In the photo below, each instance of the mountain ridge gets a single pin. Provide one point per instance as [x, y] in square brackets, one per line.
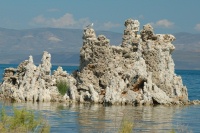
[64, 46]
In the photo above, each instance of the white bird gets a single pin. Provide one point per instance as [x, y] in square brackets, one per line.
[90, 25]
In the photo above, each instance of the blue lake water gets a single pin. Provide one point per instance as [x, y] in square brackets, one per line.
[86, 118]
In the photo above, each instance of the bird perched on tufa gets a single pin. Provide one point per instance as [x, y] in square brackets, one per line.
[90, 25]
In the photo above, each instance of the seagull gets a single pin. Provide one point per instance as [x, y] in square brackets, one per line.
[90, 25]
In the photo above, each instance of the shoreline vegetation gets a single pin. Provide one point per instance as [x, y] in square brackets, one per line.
[22, 121]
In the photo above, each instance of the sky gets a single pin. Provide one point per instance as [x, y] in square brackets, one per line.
[166, 16]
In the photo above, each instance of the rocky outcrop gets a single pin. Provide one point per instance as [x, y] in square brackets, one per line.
[139, 71]
[29, 82]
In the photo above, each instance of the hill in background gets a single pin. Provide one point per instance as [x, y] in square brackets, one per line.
[187, 52]
[64, 46]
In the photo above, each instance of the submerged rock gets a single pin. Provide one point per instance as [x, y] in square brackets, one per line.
[139, 71]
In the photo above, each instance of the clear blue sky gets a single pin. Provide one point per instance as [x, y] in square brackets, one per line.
[166, 16]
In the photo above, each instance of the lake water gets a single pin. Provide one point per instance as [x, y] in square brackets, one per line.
[87, 118]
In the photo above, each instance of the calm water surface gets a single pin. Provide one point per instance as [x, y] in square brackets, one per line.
[86, 118]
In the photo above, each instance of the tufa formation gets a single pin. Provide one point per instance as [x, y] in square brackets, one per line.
[139, 72]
